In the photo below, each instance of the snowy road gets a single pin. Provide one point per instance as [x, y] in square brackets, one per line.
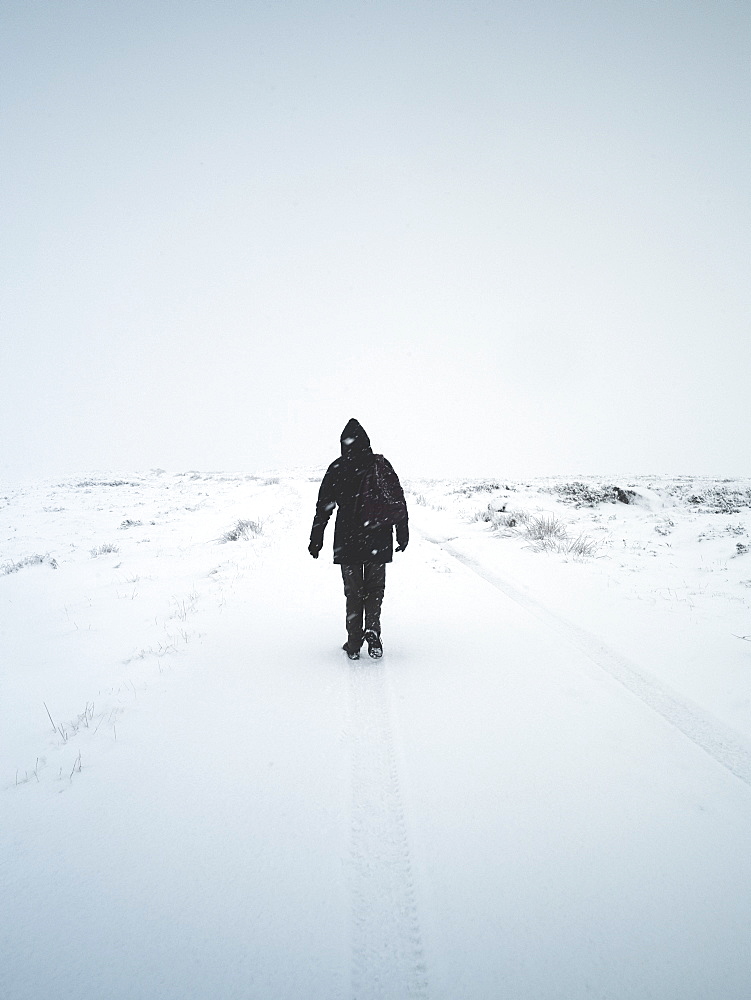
[484, 813]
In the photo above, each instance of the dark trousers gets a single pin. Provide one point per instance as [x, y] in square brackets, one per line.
[363, 588]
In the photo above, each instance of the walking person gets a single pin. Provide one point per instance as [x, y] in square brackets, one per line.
[370, 502]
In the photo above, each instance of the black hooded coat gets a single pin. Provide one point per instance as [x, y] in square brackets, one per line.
[355, 541]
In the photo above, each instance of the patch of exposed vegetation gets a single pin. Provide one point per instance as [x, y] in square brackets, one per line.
[243, 529]
[720, 500]
[469, 489]
[582, 494]
[102, 550]
[35, 560]
[89, 483]
[545, 531]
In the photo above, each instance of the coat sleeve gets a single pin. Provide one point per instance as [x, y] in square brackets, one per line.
[324, 508]
[395, 488]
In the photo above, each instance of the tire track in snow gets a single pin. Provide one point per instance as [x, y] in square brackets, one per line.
[387, 954]
[703, 729]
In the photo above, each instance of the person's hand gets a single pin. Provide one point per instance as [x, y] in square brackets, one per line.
[314, 549]
[402, 537]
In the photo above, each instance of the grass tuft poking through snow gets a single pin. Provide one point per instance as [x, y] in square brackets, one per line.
[243, 529]
[103, 550]
[545, 528]
[580, 547]
[546, 532]
[35, 560]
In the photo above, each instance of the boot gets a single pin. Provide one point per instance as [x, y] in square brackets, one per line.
[375, 646]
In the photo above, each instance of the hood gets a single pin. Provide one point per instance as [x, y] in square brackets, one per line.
[354, 439]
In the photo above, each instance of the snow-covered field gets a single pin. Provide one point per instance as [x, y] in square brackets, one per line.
[542, 791]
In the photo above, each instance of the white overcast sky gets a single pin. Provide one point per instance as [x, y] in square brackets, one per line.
[509, 237]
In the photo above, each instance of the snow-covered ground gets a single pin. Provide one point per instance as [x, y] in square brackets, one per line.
[542, 791]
